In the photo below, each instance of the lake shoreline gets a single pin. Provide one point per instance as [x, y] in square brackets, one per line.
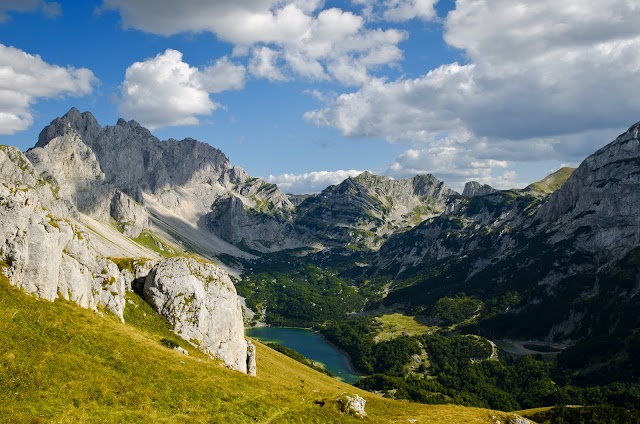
[352, 369]
[338, 361]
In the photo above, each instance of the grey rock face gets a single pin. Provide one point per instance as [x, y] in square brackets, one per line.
[235, 222]
[600, 199]
[200, 301]
[72, 166]
[130, 214]
[474, 188]
[133, 160]
[47, 254]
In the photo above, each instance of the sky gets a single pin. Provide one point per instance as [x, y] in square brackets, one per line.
[305, 93]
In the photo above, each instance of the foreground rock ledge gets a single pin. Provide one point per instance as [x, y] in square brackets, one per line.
[200, 301]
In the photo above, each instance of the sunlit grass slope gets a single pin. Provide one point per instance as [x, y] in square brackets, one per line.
[62, 363]
[396, 325]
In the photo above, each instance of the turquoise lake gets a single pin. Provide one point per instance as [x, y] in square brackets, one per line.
[311, 345]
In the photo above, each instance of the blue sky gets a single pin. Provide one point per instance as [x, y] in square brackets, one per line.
[307, 92]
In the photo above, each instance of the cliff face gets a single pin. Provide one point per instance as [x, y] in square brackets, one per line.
[47, 251]
[474, 188]
[600, 200]
[134, 160]
[44, 251]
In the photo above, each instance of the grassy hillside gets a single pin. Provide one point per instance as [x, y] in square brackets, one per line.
[62, 363]
[551, 182]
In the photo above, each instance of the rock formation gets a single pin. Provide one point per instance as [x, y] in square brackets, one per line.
[251, 358]
[474, 188]
[600, 199]
[178, 182]
[352, 405]
[47, 251]
[201, 303]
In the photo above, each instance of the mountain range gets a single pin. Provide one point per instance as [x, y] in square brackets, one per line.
[92, 212]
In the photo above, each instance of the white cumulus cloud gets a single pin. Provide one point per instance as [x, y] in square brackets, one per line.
[310, 182]
[542, 80]
[25, 78]
[264, 64]
[398, 10]
[404, 10]
[285, 38]
[165, 91]
[455, 165]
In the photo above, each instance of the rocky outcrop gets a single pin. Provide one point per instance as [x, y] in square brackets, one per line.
[251, 359]
[132, 216]
[474, 188]
[72, 166]
[47, 254]
[69, 164]
[50, 254]
[201, 303]
[262, 229]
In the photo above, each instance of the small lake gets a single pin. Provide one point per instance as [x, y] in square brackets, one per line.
[311, 345]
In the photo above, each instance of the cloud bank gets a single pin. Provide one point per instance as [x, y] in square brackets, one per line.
[542, 80]
[284, 39]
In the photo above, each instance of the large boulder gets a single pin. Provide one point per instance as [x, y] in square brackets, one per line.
[200, 301]
[352, 405]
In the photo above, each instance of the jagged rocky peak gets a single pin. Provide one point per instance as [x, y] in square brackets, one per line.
[184, 178]
[72, 122]
[474, 188]
[365, 209]
[135, 161]
[420, 185]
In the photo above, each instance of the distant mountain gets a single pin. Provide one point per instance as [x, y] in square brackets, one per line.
[125, 173]
[363, 210]
[554, 261]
